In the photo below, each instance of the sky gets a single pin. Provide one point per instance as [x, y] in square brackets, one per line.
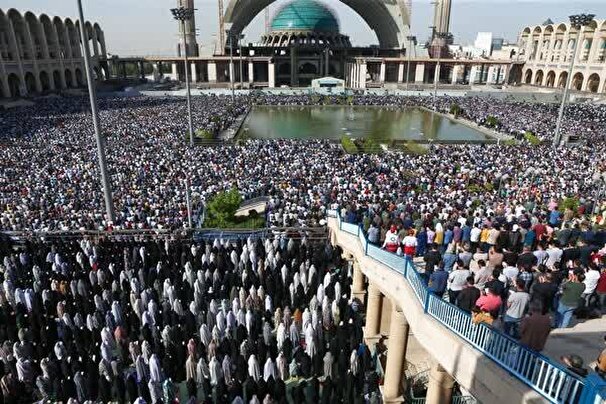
[146, 27]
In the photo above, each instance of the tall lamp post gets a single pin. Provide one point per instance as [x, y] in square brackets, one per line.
[183, 14]
[412, 41]
[577, 21]
[231, 62]
[92, 93]
[240, 37]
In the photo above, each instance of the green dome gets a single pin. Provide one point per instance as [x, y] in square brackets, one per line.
[305, 15]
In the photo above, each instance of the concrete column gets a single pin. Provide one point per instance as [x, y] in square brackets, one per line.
[271, 75]
[363, 71]
[401, 73]
[492, 75]
[232, 76]
[251, 72]
[473, 76]
[439, 390]
[436, 73]
[396, 355]
[382, 73]
[457, 72]
[175, 72]
[194, 72]
[212, 72]
[157, 75]
[357, 287]
[373, 312]
[385, 323]
[420, 73]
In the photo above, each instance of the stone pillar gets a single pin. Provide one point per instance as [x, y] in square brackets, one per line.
[194, 72]
[363, 71]
[436, 73]
[396, 355]
[401, 73]
[457, 72]
[251, 72]
[420, 73]
[439, 389]
[271, 75]
[382, 73]
[156, 73]
[212, 72]
[493, 77]
[232, 76]
[373, 312]
[473, 75]
[175, 72]
[357, 287]
[385, 323]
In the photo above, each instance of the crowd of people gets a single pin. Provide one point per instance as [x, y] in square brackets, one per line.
[509, 232]
[169, 320]
[49, 176]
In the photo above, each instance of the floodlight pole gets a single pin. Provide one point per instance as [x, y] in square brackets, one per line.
[183, 14]
[92, 93]
[577, 21]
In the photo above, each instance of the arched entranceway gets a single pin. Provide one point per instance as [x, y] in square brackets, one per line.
[528, 77]
[79, 78]
[308, 68]
[69, 83]
[57, 79]
[14, 83]
[538, 80]
[45, 81]
[30, 82]
[577, 82]
[562, 80]
[550, 79]
[593, 83]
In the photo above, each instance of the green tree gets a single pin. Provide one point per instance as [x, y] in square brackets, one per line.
[223, 206]
[455, 109]
[492, 121]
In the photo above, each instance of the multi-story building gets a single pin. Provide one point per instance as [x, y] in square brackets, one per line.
[40, 54]
[547, 51]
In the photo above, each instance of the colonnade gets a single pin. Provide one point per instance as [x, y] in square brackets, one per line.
[380, 309]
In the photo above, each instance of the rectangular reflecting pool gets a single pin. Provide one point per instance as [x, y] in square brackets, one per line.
[335, 121]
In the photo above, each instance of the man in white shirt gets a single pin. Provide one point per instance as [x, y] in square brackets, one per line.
[555, 255]
[592, 276]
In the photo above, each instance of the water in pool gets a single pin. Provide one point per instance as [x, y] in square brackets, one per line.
[332, 122]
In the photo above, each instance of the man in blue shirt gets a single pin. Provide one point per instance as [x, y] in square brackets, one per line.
[437, 281]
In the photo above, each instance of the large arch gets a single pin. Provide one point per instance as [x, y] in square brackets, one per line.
[14, 85]
[69, 83]
[35, 29]
[63, 44]
[562, 79]
[21, 36]
[577, 81]
[593, 83]
[74, 39]
[7, 46]
[51, 39]
[30, 82]
[389, 19]
[538, 78]
[57, 79]
[45, 81]
[528, 77]
[550, 79]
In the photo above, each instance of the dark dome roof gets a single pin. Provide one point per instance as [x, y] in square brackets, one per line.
[305, 15]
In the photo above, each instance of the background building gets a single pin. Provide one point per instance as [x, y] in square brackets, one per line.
[40, 54]
[548, 49]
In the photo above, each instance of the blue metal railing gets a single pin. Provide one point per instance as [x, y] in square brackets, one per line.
[550, 379]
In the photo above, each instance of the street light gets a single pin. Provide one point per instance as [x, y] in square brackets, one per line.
[182, 15]
[240, 37]
[412, 41]
[577, 22]
[92, 93]
[231, 62]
